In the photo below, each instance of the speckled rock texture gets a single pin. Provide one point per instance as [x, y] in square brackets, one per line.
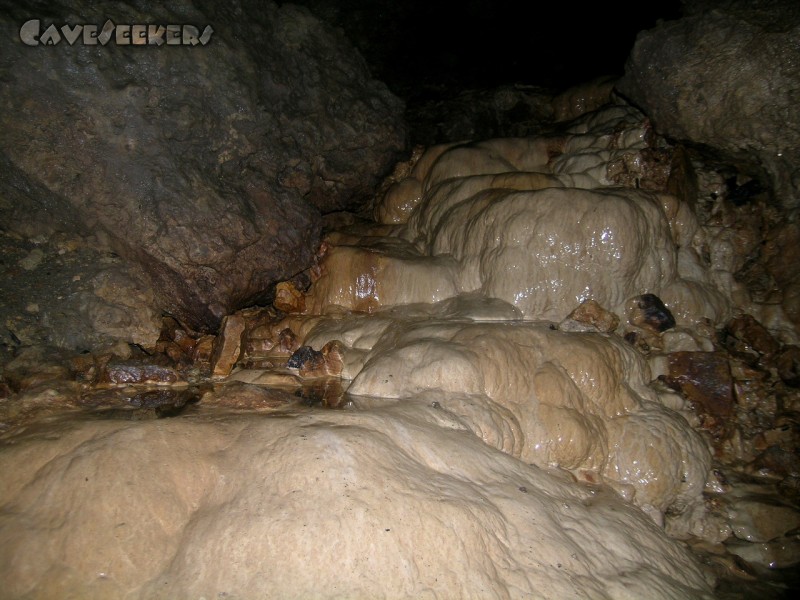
[206, 166]
[725, 77]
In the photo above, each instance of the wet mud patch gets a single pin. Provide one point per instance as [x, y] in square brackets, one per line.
[324, 393]
[141, 404]
[136, 403]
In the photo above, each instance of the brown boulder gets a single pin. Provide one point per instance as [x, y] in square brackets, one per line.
[206, 166]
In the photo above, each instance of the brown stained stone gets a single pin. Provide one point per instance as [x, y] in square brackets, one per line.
[227, 346]
[172, 331]
[788, 362]
[288, 298]
[644, 341]
[245, 396]
[649, 313]
[648, 169]
[590, 316]
[704, 378]
[256, 362]
[259, 334]
[174, 352]
[204, 348]
[312, 363]
[329, 361]
[258, 346]
[134, 372]
[746, 338]
[175, 342]
[287, 341]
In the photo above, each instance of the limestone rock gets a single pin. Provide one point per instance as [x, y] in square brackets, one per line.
[704, 378]
[208, 166]
[80, 296]
[288, 298]
[648, 312]
[227, 345]
[746, 338]
[788, 362]
[133, 372]
[725, 76]
[590, 316]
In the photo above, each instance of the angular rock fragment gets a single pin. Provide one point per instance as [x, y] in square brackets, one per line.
[649, 312]
[329, 361]
[288, 298]
[303, 355]
[746, 338]
[590, 316]
[287, 341]
[203, 349]
[311, 363]
[227, 346]
[704, 378]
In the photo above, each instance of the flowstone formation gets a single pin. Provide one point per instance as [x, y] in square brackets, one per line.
[538, 226]
[528, 377]
[560, 296]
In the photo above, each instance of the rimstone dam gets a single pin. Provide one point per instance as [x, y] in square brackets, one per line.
[273, 328]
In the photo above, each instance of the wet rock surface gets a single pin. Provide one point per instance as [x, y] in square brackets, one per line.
[227, 347]
[206, 168]
[414, 358]
[394, 479]
[705, 379]
[648, 312]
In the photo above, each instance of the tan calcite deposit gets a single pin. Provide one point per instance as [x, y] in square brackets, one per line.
[533, 221]
[579, 401]
[536, 226]
[399, 501]
[470, 463]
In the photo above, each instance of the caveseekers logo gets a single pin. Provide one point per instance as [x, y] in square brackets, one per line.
[31, 33]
